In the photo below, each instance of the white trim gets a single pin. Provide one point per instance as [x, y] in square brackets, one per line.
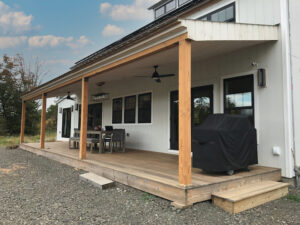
[287, 89]
[256, 99]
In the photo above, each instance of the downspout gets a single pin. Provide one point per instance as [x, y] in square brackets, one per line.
[288, 90]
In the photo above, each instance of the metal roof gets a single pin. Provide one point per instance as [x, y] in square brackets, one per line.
[156, 24]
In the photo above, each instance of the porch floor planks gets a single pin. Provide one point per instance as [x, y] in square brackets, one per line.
[159, 166]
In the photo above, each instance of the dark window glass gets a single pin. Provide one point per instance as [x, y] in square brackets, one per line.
[117, 110]
[129, 109]
[239, 96]
[181, 2]
[225, 14]
[160, 11]
[170, 6]
[94, 116]
[144, 108]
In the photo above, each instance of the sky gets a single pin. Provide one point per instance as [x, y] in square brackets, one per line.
[61, 32]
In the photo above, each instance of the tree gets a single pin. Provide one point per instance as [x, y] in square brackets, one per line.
[18, 78]
[51, 117]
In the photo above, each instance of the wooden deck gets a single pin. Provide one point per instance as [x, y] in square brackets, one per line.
[156, 173]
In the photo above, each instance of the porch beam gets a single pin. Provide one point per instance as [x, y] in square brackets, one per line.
[43, 121]
[23, 119]
[144, 53]
[184, 81]
[84, 112]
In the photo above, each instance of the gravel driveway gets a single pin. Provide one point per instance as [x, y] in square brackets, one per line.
[35, 190]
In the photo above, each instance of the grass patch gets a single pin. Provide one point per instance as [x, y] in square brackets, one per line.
[147, 196]
[7, 141]
[293, 198]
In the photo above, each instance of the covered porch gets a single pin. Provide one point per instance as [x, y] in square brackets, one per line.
[153, 172]
[184, 49]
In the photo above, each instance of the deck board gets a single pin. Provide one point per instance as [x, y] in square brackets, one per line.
[153, 172]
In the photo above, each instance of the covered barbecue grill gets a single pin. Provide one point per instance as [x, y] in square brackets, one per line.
[224, 143]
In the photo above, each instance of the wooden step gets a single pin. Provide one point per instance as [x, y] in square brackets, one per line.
[249, 196]
[97, 181]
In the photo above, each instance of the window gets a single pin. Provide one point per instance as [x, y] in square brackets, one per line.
[144, 108]
[129, 109]
[170, 6]
[181, 2]
[239, 96]
[160, 11]
[117, 110]
[94, 116]
[225, 14]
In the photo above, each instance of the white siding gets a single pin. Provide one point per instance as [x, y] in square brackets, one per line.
[269, 101]
[295, 57]
[249, 11]
[74, 118]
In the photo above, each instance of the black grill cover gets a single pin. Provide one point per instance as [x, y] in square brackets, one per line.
[224, 142]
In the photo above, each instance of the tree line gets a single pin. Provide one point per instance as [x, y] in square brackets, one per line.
[17, 78]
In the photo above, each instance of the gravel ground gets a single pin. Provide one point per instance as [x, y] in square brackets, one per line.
[35, 190]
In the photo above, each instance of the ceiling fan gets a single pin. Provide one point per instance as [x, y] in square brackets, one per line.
[69, 97]
[156, 76]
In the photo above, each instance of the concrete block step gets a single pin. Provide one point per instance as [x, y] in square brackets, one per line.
[97, 181]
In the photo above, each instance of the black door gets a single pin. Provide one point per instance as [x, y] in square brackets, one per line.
[202, 106]
[66, 123]
[94, 116]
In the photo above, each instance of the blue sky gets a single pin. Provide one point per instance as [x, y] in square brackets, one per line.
[61, 32]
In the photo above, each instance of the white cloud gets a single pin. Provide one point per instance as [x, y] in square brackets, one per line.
[12, 21]
[81, 42]
[10, 42]
[136, 11]
[55, 41]
[105, 7]
[112, 30]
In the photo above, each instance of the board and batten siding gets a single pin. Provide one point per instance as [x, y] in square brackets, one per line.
[265, 12]
[294, 7]
[74, 118]
[155, 136]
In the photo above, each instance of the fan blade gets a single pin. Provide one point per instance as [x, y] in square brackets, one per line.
[143, 76]
[166, 75]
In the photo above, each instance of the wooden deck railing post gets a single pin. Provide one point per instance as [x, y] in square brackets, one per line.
[23, 119]
[43, 121]
[84, 112]
[184, 81]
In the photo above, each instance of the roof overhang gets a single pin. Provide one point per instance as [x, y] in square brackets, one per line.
[215, 31]
[208, 33]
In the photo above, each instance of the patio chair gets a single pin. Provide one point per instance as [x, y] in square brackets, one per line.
[75, 139]
[115, 139]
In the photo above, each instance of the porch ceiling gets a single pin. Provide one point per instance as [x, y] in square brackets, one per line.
[209, 39]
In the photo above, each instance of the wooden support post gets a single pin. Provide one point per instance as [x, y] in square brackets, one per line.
[84, 112]
[43, 121]
[23, 119]
[184, 80]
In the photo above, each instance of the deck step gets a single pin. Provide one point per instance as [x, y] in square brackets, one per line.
[97, 181]
[249, 196]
